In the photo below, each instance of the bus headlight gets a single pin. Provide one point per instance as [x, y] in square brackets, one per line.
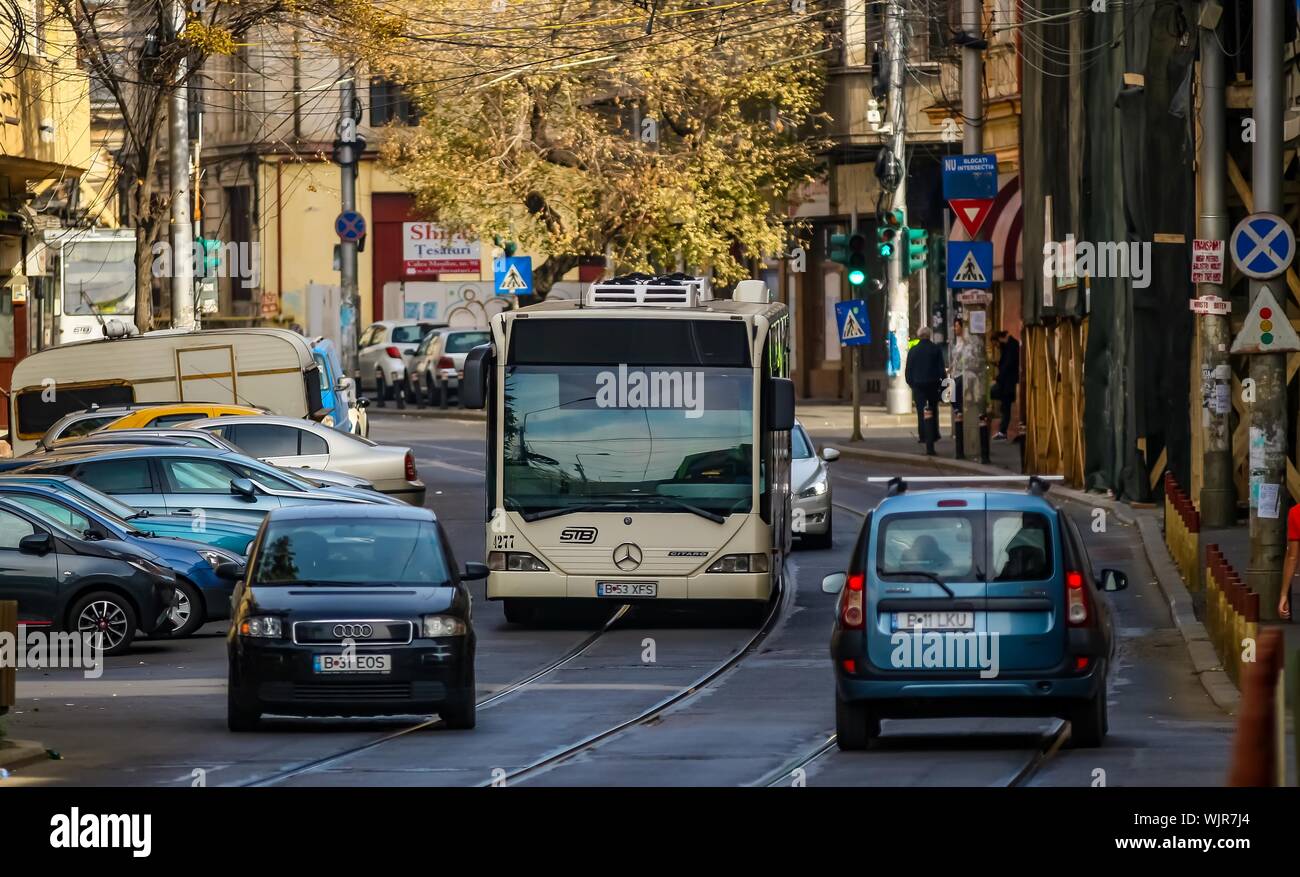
[443, 625]
[815, 489]
[515, 561]
[740, 563]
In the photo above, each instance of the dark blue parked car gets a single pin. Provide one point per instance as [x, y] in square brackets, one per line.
[201, 595]
[970, 603]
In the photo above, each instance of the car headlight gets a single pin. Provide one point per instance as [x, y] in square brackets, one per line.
[149, 567]
[515, 561]
[443, 625]
[740, 563]
[214, 558]
[264, 626]
[816, 489]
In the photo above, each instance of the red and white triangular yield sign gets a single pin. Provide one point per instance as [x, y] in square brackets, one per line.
[971, 212]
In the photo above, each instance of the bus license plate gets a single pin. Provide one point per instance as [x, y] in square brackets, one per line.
[353, 663]
[934, 620]
[627, 589]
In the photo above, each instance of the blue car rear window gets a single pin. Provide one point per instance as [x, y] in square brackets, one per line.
[1020, 546]
[939, 543]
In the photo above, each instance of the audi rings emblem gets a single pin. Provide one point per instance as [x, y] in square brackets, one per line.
[627, 556]
[353, 631]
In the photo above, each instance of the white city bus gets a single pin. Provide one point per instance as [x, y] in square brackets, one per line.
[93, 271]
[638, 446]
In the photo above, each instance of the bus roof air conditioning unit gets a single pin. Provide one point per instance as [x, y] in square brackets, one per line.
[643, 290]
[752, 291]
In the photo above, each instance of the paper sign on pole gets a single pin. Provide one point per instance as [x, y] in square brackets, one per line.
[1207, 261]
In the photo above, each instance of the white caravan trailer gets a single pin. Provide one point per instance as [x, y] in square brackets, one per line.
[267, 368]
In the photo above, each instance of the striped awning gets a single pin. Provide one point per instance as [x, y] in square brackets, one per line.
[1003, 227]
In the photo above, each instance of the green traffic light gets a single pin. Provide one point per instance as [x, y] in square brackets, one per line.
[857, 277]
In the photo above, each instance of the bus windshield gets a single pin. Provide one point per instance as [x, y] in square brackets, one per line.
[628, 438]
[99, 277]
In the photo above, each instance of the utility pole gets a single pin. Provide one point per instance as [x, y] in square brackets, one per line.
[974, 392]
[898, 398]
[1218, 497]
[349, 153]
[855, 370]
[178, 170]
[1267, 370]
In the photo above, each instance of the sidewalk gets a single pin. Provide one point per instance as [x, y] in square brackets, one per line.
[892, 439]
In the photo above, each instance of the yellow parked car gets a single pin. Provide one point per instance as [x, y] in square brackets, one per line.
[161, 416]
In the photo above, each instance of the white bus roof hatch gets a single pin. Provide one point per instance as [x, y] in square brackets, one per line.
[641, 290]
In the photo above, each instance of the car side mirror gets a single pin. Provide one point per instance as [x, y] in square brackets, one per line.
[36, 543]
[243, 487]
[230, 570]
[474, 571]
[344, 385]
[830, 455]
[474, 386]
[1113, 580]
[780, 404]
[834, 583]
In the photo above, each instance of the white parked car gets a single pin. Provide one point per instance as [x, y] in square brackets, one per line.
[294, 444]
[382, 351]
[810, 480]
[438, 364]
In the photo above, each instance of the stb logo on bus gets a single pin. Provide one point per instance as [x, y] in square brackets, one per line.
[651, 388]
[579, 535]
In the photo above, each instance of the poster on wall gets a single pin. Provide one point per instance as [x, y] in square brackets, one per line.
[429, 249]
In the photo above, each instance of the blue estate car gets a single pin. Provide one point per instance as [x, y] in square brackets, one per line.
[970, 602]
[234, 534]
[201, 595]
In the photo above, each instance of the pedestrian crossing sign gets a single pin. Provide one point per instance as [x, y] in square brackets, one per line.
[1266, 329]
[513, 275]
[970, 264]
[853, 321]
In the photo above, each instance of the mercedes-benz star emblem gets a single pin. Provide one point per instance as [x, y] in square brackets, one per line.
[627, 557]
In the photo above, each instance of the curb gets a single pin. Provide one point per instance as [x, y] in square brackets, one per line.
[19, 753]
[436, 413]
[1200, 649]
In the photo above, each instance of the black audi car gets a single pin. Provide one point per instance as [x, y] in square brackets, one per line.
[69, 581]
[352, 610]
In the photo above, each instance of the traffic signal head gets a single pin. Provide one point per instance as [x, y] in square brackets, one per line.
[918, 250]
[839, 250]
[211, 256]
[857, 259]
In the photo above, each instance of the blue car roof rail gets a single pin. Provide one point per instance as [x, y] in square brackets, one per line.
[1037, 485]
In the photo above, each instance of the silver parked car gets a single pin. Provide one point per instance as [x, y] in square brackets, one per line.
[810, 480]
[291, 443]
[382, 351]
[438, 364]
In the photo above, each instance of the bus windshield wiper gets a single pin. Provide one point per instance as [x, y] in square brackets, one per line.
[918, 572]
[621, 502]
[673, 501]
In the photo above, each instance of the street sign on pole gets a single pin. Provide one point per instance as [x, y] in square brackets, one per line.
[1266, 330]
[513, 275]
[975, 298]
[970, 176]
[350, 226]
[1262, 245]
[1210, 305]
[970, 264]
[971, 212]
[1207, 261]
[853, 322]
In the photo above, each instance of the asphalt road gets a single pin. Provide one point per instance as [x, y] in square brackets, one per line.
[157, 716]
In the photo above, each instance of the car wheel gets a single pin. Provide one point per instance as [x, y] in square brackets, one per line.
[519, 612]
[856, 727]
[238, 717]
[187, 611]
[460, 714]
[109, 615]
[1088, 722]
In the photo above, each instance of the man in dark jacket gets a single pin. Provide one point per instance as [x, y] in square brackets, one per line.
[924, 374]
[1004, 388]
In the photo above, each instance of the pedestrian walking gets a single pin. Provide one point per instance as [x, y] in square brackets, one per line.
[924, 373]
[1008, 379]
[960, 361]
[1290, 563]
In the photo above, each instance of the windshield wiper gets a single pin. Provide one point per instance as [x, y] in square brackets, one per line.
[622, 502]
[565, 510]
[917, 572]
[143, 513]
[673, 501]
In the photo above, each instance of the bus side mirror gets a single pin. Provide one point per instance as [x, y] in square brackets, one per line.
[780, 404]
[473, 387]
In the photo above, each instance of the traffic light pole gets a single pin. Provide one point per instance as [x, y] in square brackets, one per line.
[855, 365]
[898, 398]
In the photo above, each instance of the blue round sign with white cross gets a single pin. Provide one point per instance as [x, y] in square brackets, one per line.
[1262, 245]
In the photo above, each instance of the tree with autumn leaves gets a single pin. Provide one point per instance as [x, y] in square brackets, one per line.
[662, 135]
